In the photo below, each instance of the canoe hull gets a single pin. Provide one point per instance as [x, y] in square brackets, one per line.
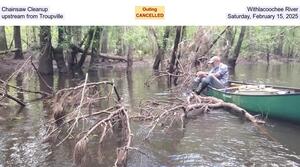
[285, 107]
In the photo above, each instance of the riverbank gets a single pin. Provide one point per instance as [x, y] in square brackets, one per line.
[262, 58]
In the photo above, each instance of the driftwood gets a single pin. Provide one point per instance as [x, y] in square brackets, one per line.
[8, 51]
[112, 57]
[75, 50]
[214, 103]
[108, 56]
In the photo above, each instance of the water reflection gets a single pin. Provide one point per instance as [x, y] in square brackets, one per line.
[278, 74]
[215, 139]
[61, 83]
[46, 83]
[19, 83]
[130, 87]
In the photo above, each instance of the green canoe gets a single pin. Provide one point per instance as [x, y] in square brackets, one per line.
[270, 101]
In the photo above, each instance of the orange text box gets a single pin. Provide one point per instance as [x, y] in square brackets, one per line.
[149, 12]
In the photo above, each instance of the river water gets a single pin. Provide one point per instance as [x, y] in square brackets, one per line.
[214, 139]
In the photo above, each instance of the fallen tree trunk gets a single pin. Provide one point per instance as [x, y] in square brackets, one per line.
[112, 57]
[214, 103]
[8, 51]
[165, 112]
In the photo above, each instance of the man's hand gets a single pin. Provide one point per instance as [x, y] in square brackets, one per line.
[201, 74]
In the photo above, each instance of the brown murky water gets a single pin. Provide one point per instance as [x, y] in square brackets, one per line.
[215, 139]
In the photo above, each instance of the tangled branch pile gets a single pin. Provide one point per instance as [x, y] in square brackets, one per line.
[176, 111]
[76, 110]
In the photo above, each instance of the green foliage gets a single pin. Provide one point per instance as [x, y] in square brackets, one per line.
[27, 36]
[138, 37]
[258, 39]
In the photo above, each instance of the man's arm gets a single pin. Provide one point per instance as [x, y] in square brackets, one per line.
[220, 72]
[201, 73]
[217, 74]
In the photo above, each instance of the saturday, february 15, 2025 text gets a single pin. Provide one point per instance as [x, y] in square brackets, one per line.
[266, 13]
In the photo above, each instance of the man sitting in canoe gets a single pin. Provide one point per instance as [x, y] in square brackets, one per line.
[217, 77]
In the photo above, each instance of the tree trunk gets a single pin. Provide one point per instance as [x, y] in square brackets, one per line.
[77, 34]
[179, 54]
[227, 42]
[119, 44]
[69, 36]
[58, 53]
[129, 57]
[86, 47]
[3, 42]
[96, 46]
[60, 40]
[157, 59]
[291, 44]
[18, 43]
[34, 35]
[161, 50]
[58, 56]
[279, 49]
[104, 44]
[237, 49]
[45, 60]
[175, 48]
[268, 54]
[200, 45]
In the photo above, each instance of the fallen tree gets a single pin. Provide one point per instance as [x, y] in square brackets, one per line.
[171, 111]
[8, 51]
[96, 109]
[112, 57]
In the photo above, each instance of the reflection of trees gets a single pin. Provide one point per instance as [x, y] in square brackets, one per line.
[46, 83]
[19, 83]
[130, 87]
[93, 76]
[166, 144]
[61, 82]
